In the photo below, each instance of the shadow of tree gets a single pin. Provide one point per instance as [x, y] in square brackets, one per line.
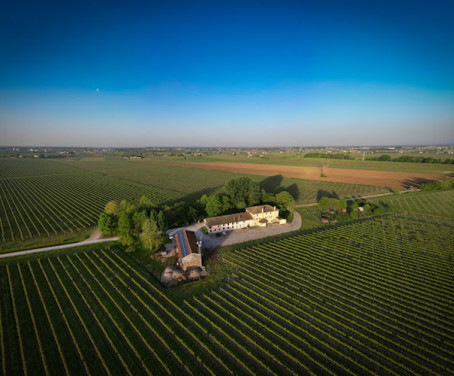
[321, 193]
[294, 191]
[416, 182]
[272, 184]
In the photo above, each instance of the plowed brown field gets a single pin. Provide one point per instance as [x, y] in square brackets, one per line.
[368, 177]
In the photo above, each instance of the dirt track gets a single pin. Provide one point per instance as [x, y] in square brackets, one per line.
[368, 177]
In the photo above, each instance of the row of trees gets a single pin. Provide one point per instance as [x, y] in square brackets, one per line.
[329, 155]
[240, 193]
[410, 159]
[438, 185]
[135, 225]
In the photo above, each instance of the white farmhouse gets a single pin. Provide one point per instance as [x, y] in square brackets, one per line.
[229, 222]
[253, 216]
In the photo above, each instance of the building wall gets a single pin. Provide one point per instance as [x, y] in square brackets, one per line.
[269, 216]
[231, 226]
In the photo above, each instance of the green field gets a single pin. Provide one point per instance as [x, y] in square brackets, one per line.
[195, 182]
[40, 199]
[433, 203]
[372, 297]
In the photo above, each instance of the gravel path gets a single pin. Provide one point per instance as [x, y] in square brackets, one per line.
[56, 247]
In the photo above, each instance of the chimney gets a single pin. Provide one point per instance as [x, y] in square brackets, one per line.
[263, 209]
[275, 208]
[199, 243]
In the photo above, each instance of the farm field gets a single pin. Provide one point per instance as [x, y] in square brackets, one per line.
[298, 160]
[433, 203]
[44, 198]
[195, 182]
[372, 297]
[350, 176]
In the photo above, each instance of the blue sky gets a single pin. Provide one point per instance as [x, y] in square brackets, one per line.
[234, 73]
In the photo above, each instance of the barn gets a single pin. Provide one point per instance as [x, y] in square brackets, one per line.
[189, 250]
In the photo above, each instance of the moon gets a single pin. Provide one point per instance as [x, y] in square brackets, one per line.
[97, 89]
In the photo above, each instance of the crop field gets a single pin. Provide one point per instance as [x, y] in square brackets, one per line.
[298, 160]
[195, 182]
[373, 297]
[336, 175]
[41, 199]
[433, 203]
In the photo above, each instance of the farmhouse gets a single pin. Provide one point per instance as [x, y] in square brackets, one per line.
[189, 250]
[264, 214]
[253, 216]
[229, 222]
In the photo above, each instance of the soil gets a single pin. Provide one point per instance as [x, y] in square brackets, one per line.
[338, 175]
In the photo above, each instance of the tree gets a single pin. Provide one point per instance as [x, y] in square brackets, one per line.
[354, 206]
[213, 206]
[354, 215]
[332, 204]
[131, 208]
[191, 214]
[323, 203]
[112, 208]
[150, 235]
[269, 198]
[125, 229]
[204, 200]
[254, 193]
[226, 205]
[106, 224]
[284, 200]
[384, 157]
[162, 222]
[123, 205]
[138, 219]
[342, 203]
[241, 190]
[182, 215]
[145, 203]
[154, 215]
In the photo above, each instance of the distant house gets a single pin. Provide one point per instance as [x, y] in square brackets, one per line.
[189, 250]
[253, 216]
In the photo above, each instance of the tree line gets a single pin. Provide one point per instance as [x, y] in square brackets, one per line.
[241, 193]
[329, 155]
[410, 159]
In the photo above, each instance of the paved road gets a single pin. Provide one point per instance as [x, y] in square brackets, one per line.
[56, 247]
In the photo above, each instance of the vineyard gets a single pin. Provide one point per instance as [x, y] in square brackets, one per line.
[372, 297]
[195, 182]
[433, 203]
[41, 199]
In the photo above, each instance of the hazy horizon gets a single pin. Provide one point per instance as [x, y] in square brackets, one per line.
[224, 74]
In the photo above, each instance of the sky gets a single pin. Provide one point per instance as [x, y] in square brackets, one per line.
[226, 73]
